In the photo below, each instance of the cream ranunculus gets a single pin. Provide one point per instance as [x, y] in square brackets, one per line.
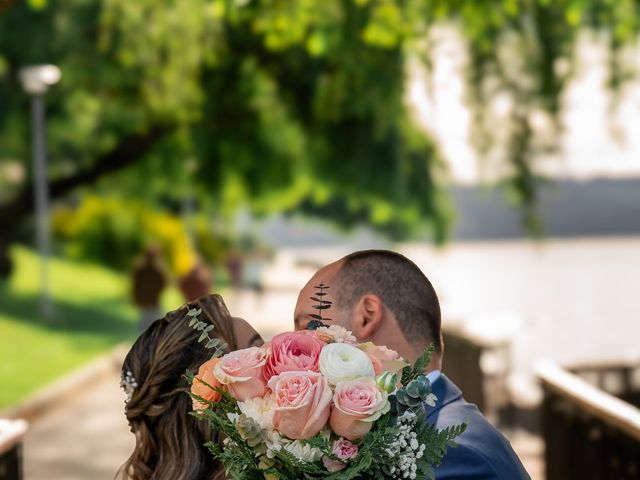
[341, 361]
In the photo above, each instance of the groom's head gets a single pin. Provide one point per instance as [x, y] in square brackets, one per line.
[380, 296]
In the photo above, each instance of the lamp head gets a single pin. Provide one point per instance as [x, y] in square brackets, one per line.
[36, 79]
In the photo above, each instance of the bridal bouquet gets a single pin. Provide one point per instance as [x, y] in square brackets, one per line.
[317, 404]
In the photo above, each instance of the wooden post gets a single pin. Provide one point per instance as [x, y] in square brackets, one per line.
[11, 435]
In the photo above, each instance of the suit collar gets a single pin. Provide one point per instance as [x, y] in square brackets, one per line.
[446, 391]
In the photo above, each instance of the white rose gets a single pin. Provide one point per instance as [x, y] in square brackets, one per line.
[341, 361]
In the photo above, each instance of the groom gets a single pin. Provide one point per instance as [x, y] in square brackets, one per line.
[383, 297]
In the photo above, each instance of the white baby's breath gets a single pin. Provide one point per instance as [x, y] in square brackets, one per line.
[404, 451]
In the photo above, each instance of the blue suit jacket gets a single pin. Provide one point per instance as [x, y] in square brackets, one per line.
[482, 452]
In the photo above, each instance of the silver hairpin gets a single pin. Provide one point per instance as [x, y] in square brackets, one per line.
[128, 384]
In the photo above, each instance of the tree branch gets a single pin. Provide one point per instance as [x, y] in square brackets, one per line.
[130, 150]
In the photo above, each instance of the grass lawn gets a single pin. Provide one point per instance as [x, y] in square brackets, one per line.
[92, 314]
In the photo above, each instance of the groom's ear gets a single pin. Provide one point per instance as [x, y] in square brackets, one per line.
[368, 315]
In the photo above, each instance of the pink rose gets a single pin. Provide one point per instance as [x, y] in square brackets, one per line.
[344, 449]
[242, 372]
[293, 351]
[303, 401]
[383, 359]
[333, 465]
[357, 404]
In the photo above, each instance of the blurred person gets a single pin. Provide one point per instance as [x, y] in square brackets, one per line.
[196, 283]
[253, 269]
[383, 297]
[149, 280]
[169, 441]
[235, 266]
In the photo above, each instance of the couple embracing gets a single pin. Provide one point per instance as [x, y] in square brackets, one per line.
[380, 296]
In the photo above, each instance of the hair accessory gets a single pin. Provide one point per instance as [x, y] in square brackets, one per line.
[128, 384]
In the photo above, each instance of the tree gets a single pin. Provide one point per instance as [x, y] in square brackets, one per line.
[282, 104]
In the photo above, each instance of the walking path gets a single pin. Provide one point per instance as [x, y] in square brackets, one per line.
[86, 437]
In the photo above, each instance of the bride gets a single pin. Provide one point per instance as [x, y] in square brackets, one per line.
[169, 441]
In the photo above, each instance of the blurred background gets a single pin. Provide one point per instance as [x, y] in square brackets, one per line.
[153, 151]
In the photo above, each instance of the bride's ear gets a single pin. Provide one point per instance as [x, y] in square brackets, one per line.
[368, 315]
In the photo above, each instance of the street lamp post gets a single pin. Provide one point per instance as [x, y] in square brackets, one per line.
[36, 80]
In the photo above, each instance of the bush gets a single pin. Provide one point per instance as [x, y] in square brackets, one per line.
[113, 232]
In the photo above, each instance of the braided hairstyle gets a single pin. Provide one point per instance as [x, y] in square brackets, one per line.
[169, 441]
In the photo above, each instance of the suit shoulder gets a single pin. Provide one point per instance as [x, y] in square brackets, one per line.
[482, 449]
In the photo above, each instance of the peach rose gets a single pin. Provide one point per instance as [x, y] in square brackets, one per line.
[357, 404]
[383, 359]
[303, 401]
[293, 351]
[204, 383]
[241, 371]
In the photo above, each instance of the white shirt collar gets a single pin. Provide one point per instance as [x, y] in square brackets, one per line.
[433, 376]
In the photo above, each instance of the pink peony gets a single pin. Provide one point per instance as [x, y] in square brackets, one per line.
[293, 351]
[357, 404]
[303, 401]
[383, 359]
[242, 372]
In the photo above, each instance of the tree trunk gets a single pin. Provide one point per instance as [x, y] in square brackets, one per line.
[130, 150]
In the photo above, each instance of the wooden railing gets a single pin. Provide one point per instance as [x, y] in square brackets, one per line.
[483, 383]
[589, 433]
[620, 377]
[11, 435]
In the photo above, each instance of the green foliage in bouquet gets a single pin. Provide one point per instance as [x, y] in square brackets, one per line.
[419, 368]
[321, 305]
[198, 325]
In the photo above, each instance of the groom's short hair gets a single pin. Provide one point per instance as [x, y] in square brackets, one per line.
[400, 284]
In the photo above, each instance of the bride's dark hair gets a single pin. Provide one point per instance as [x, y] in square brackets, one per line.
[169, 441]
